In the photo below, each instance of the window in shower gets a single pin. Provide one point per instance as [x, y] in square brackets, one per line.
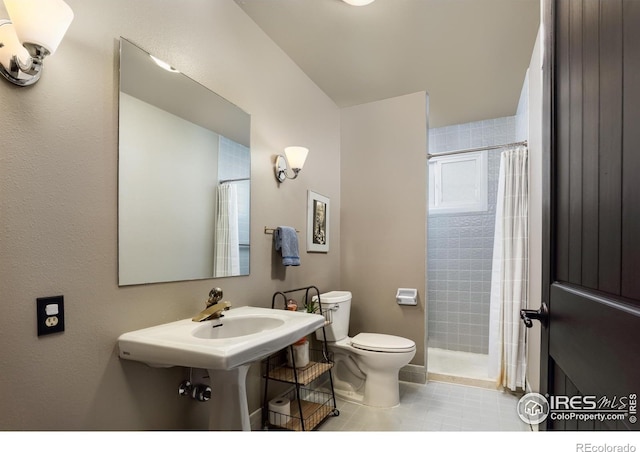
[458, 183]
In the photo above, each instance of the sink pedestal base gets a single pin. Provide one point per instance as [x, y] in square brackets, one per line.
[229, 406]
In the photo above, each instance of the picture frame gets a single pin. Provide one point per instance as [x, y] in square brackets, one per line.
[318, 221]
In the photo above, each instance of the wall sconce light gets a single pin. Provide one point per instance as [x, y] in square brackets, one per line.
[34, 31]
[295, 156]
[358, 2]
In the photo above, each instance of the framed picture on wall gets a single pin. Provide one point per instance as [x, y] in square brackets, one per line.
[317, 223]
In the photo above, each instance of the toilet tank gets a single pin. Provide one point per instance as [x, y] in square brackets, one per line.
[338, 303]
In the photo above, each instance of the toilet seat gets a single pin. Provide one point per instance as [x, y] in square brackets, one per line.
[382, 343]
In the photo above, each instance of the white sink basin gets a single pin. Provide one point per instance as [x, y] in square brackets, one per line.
[244, 335]
[236, 327]
[226, 347]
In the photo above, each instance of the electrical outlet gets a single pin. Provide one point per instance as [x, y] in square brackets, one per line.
[50, 315]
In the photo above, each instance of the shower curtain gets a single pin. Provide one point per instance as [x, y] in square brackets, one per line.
[227, 241]
[510, 272]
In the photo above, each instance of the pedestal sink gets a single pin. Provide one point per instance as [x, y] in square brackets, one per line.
[226, 347]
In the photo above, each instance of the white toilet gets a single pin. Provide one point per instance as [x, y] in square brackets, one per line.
[366, 366]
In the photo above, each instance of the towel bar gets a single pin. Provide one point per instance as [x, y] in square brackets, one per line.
[268, 230]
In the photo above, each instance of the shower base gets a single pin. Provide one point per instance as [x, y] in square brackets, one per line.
[464, 368]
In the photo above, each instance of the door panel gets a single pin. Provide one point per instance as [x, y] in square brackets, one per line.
[588, 340]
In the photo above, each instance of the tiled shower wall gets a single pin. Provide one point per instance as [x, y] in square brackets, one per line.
[460, 246]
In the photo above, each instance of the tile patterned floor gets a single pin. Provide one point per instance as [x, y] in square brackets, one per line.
[436, 406]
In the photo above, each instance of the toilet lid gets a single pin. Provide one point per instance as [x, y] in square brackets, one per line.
[382, 343]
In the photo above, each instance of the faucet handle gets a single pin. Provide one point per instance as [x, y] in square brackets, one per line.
[215, 295]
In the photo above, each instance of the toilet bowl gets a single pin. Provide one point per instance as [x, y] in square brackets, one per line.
[366, 366]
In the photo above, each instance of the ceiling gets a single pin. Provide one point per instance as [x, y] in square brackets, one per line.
[471, 56]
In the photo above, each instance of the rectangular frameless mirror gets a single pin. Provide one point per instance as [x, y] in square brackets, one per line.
[184, 169]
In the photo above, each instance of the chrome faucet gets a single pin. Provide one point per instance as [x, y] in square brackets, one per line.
[214, 308]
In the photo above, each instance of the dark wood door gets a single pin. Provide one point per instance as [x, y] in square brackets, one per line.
[591, 345]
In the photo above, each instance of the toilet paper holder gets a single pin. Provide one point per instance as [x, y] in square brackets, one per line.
[408, 297]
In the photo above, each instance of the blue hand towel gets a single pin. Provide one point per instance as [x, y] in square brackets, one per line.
[286, 241]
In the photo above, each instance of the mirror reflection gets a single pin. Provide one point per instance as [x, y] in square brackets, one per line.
[184, 171]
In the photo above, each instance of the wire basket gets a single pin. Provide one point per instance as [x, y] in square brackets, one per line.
[305, 413]
[277, 367]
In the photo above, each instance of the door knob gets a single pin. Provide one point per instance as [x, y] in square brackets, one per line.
[528, 315]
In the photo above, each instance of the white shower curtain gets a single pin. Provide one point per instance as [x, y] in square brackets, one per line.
[227, 241]
[510, 272]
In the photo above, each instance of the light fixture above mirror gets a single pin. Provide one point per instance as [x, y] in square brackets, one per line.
[294, 160]
[34, 32]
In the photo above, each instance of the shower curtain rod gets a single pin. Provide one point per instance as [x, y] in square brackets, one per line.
[226, 181]
[485, 148]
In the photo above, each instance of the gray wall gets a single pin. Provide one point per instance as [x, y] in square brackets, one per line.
[460, 247]
[58, 211]
[384, 213]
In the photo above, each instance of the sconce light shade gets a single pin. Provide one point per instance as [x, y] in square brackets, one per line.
[358, 2]
[295, 156]
[35, 31]
[40, 22]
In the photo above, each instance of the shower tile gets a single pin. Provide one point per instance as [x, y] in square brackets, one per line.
[453, 253]
[466, 339]
[453, 274]
[452, 243]
[487, 265]
[453, 318]
[476, 138]
[452, 336]
[467, 318]
[441, 292]
[460, 246]
[475, 330]
[453, 264]
[466, 232]
[476, 253]
[476, 286]
[466, 242]
[475, 265]
[438, 233]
